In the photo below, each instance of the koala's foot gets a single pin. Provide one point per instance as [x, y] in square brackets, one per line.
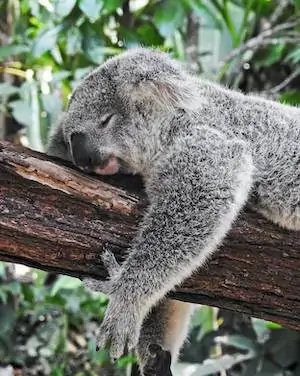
[158, 363]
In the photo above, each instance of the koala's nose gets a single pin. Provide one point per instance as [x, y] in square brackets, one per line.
[83, 152]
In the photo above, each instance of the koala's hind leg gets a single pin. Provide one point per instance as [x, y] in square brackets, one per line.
[163, 333]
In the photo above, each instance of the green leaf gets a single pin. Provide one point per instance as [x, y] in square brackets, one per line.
[297, 4]
[273, 325]
[6, 89]
[290, 97]
[125, 360]
[294, 56]
[149, 35]
[211, 366]
[112, 5]
[46, 40]
[65, 282]
[8, 316]
[168, 17]
[21, 111]
[93, 46]
[63, 8]
[74, 41]
[204, 318]
[2, 269]
[91, 8]
[273, 54]
[52, 103]
[3, 296]
[34, 7]
[60, 76]
[101, 356]
[237, 341]
[55, 52]
[205, 11]
[11, 50]
[261, 330]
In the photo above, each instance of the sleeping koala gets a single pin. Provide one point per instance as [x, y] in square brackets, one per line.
[203, 152]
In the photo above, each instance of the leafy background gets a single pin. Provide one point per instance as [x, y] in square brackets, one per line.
[48, 322]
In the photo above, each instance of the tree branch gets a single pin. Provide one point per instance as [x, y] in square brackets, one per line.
[56, 218]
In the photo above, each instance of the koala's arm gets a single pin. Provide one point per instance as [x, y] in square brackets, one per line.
[196, 193]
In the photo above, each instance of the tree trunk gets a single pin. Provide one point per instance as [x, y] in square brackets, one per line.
[56, 218]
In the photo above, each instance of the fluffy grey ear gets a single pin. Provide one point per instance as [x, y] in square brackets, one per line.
[56, 146]
[151, 75]
[169, 92]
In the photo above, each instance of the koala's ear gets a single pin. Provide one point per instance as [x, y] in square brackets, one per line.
[56, 146]
[166, 90]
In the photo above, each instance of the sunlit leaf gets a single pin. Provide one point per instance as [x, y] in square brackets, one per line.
[52, 103]
[204, 318]
[63, 7]
[112, 5]
[65, 282]
[34, 7]
[291, 97]
[297, 4]
[126, 360]
[168, 17]
[11, 50]
[273, 325]
[148, 34]
[55, 52]
[74, 41]
[204, 10]
[46, 40]
[93, 46]
[101, 356]
[91, 8]
[6, 89]
[211, 366]
[261, 330]
[2, 269]
[21, 111]
[238, 341]
[294, 55]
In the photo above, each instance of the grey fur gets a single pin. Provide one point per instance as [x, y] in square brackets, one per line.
[203, 151]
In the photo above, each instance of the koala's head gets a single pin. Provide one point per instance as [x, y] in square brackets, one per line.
[115, 116]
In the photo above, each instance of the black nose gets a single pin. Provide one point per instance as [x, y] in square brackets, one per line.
[83, 152]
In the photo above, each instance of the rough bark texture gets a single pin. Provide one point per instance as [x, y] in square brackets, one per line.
[55, 218]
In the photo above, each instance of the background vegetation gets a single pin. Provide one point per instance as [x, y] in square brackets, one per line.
[47, 323]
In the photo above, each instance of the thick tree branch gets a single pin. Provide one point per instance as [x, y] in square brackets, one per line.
[56, 218]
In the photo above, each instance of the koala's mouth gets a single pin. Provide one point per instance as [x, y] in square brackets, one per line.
[110, 167]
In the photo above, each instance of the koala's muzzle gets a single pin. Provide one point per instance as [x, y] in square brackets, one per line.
[88, 158]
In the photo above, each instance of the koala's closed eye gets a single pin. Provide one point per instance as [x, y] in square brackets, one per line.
[105, 119]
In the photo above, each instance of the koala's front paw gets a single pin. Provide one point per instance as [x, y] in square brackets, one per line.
[113, 268]
[121, 326]
[158, 363]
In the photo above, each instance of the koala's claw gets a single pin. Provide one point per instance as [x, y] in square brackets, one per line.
[112, 267]
[118, 329]
[110, 263]
[159, 362]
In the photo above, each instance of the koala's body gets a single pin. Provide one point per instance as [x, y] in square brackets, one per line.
[203, 152]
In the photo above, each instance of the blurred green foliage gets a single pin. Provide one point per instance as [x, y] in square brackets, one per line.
[47, 46]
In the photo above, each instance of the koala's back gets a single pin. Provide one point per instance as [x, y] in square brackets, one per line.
[272, 131]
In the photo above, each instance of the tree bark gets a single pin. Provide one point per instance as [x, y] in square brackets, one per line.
[55, 218]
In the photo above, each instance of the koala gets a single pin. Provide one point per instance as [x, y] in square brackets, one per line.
[204, 152]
